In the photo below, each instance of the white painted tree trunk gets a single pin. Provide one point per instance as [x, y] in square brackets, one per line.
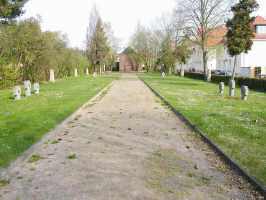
[182, 71]
[52, 75]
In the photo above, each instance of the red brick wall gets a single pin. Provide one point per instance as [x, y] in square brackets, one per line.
[125, 65]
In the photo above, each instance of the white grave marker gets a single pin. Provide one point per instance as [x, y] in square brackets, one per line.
[36, 87]
[244, 92]
[221, 87]
[27, 87]
[17, 93]
[76, 72]
[94, 74]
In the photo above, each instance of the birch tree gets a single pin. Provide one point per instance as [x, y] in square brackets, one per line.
[201, 18]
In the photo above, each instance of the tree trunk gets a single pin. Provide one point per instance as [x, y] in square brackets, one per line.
[205, 60]
[182, 71]
[234, 69]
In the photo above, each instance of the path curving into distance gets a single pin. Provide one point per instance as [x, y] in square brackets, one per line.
[123, 146]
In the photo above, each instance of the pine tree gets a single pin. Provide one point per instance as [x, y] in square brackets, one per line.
[10, 9]
[240, 32]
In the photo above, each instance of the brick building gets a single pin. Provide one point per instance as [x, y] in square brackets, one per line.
[127, 63]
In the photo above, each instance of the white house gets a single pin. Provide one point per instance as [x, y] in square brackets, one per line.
[220, 59]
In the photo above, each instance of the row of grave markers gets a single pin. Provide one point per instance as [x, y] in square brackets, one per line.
[52, 76]
[27, 86]
[232, 86]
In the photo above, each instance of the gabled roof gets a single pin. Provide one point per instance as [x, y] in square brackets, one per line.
[259, 21]
[217, 36]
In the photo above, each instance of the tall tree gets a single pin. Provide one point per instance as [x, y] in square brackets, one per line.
[201, 17]
[97, 46]
[240, 32]
[10, 9]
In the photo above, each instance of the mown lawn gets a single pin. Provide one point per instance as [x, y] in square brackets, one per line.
[238, 127]
[24, 122]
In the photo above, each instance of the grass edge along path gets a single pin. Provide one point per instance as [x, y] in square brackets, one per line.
[221, 118]
[24, 122]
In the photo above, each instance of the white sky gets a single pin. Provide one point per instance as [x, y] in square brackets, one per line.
[72, 17]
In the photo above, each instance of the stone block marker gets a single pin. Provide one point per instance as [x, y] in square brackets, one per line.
[94, 74]
[27, 87]
[52, 75]
[76, 72]
[221, 87]
[87, 71]
[36, 87]
[244, 92]
[163, 75]
[232, 86]
[17, 93]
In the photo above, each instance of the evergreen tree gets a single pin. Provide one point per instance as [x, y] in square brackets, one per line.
[183, 53]
[97, 44]
[101, 45]
[10, 9]
[240, 32]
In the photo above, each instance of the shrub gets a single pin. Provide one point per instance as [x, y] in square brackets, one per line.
[9, 75]
[195, 75]
[252, 83]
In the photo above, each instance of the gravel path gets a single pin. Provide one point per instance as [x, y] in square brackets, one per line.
[125, 145]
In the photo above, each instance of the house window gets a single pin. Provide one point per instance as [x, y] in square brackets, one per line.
[261, 29]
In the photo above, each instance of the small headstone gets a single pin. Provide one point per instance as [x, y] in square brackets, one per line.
[52, 75]
[17, 93]
[27, 87]
[76, 72]
[244, 92]
[232, 86]
[94, 74]
[163, 75]
[36, 87]
[87, 71]
[221, 87]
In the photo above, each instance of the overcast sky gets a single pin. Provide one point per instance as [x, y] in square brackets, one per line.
[72, 17]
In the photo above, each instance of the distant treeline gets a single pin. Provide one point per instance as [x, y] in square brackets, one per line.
[27, 53]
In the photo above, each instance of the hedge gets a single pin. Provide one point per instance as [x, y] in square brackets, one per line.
[252, 83]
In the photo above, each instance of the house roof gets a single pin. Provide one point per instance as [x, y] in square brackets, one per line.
[259, 21]
[217, 36]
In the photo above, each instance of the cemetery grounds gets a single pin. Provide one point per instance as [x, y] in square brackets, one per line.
[24, 122]
[237, 127]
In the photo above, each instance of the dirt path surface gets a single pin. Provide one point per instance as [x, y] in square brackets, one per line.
[123, 146]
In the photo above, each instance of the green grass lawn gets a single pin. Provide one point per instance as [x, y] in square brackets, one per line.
[238, 127]
[24, 122]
